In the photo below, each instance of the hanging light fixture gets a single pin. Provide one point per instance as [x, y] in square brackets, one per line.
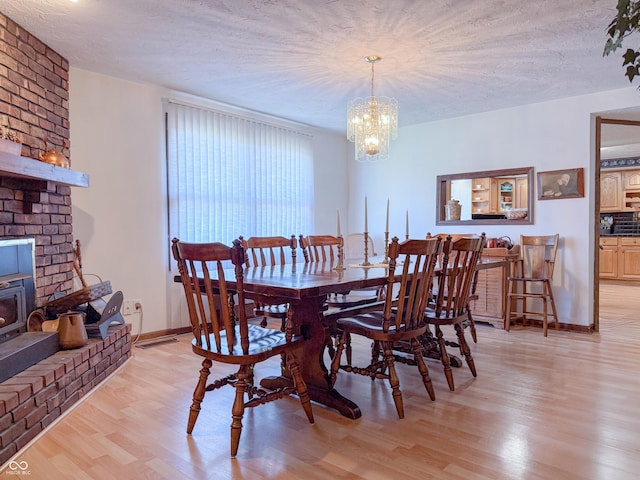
[372, 122]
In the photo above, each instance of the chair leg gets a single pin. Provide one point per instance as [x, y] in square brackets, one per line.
[198, 394]
[422, 368]
[444, 358]
[394, 381]
[335, 360]
[301, 387]
[237, 411]
[545, 320]
[472, 325]
[464, 348]
[553, 304]
[507, 318]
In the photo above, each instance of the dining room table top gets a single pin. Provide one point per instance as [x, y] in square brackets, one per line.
[300, 280]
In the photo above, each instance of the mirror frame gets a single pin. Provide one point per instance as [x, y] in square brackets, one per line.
[441, 193]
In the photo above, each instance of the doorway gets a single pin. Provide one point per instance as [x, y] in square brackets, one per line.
[616, 138]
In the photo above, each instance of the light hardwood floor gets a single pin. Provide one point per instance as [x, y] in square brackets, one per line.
[564, 407]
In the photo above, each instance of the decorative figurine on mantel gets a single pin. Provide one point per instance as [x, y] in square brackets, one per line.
[54, 157]
[10, 142]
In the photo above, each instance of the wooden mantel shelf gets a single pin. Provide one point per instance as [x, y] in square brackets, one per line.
[24, 167]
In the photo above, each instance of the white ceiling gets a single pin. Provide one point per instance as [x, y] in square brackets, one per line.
[303, 59]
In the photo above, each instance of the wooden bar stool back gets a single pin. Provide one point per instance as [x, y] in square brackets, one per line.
[532, 279]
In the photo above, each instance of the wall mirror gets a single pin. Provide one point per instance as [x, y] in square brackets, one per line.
[491, 197]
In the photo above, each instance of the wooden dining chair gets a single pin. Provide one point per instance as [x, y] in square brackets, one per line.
[270, 252]
[450, 297]
[354, 247]
[401, 319]
[469, 322]
[325, 248]
[532, 279]
[222, 335]
[321, 248]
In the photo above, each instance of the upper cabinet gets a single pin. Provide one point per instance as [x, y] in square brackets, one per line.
[610, 192]
[631, 180]
[620, 190]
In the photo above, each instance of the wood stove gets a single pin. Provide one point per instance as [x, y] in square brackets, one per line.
[17, 293]
[19, 349]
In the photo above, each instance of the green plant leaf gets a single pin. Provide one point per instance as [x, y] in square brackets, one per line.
[630, 56]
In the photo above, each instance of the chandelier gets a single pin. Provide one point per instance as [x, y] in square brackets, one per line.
[372, 122]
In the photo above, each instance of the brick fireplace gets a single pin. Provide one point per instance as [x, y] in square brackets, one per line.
[34, 97]
[34, 102]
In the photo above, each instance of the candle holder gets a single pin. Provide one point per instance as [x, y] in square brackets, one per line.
[340, 266]
[366, 262]
[386, 247]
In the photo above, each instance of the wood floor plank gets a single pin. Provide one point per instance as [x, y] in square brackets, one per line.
[561, 407]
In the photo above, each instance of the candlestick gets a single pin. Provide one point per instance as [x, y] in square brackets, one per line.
[340, 266]
[407, 221]
[387, 224]
[366, 229]
[338, 219]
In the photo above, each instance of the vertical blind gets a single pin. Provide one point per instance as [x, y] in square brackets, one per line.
[230, 176]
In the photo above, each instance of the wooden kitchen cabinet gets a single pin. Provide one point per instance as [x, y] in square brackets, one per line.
[509, 193]
[620, 258]
[610, 191]
[631, 180]
[609, 257]
[631, 200]
[489, 302]
[629, 258]
[522, 193]
[481, 195]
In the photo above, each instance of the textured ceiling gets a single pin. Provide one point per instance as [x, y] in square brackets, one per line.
[303, 59]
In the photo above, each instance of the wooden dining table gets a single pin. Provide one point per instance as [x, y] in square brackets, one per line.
[305, 287]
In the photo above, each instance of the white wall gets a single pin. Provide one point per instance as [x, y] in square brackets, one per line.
[549, 136]
[117, 138]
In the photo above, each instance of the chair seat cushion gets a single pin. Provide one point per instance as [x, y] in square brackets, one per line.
[431, 318]
[527, 279]
[263, 343]
[370, 325]
[352, 299]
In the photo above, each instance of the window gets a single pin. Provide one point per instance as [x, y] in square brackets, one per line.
[230, 175]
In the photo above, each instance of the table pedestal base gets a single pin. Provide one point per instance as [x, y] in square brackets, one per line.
[331, 398]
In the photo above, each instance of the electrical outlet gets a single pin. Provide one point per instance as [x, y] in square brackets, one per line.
[129, 306]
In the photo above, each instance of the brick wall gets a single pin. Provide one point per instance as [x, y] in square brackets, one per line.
[34, 102]
[31, 400]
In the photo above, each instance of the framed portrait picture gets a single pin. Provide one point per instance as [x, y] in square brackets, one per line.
[561, 184]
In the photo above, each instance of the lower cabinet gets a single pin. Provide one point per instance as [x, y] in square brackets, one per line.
[609, 257]
[489, 302]
[629, 258]
[620, 258]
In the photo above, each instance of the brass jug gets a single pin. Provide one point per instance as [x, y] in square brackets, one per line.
[71, 330]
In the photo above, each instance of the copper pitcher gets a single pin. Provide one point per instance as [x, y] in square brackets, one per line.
[71, 330]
